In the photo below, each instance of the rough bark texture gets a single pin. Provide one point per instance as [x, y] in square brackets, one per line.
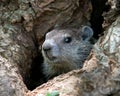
[18, 48]
[51, 13]
[11, 83]
[100, 75]
[23, 24]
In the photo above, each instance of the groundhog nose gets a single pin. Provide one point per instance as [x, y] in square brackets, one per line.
[47, 48]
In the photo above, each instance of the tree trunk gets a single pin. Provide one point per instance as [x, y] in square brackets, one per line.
[100, 75]
[23, 24]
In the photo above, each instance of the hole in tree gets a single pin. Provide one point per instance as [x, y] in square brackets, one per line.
[99, 6]
[36, 76]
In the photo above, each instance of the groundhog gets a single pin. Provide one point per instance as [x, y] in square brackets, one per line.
[65, 49]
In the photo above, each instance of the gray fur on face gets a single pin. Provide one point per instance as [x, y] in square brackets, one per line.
[65, 49]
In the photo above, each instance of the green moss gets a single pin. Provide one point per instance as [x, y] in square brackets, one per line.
[54, 93]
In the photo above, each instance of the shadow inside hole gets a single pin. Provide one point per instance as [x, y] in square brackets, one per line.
[99, 6]
[36, 76]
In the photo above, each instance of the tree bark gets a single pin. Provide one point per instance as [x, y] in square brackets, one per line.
[11, 82]
[23, 24]
[100, 75]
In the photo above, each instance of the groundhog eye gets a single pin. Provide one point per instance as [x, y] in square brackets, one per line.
[67, 39]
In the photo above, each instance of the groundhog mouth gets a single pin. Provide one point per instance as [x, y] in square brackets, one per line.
[50, 57]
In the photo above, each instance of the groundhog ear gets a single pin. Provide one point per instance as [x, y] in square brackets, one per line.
[87, 33]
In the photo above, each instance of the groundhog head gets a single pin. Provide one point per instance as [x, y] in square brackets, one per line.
[67, 48]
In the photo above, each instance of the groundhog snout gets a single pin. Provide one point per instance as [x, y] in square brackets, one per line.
[47, 51]
[50, 49]
[47, 48]
[48, 45]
